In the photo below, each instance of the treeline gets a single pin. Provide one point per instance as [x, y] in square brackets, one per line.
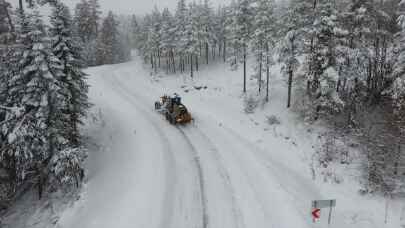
[198, 34]
[344, 60]
[43, 100]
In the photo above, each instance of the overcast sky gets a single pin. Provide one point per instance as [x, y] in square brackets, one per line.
[138, 7]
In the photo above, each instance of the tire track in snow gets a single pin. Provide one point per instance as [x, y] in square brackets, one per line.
[237, 214]
[193, 149]
[281, 172]
[170, 179]
[259, 193]
[201, 177]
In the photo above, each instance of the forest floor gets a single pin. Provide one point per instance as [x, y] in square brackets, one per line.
[228, 169]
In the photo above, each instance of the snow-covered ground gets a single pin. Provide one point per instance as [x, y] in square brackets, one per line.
[228, 169]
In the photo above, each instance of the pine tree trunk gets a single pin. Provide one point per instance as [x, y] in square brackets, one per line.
[191, 66]
[244, 70]
[159, 57]
[10, 22]
[339, 82]
[224, 53]
[40, 184]
[173, 62]
[344, 85]
[196, 63]
[369, 70]
[290, 79]
[180, 58]
[207, 52]
[167, 64]
[21, 6]
[267, 73]
[213, 51]
[50, 125]
[260, 72]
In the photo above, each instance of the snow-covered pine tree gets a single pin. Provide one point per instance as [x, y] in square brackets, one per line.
[291, 46]
[356, 57]
[200, 26]
[7, 58]
[180, 32]
[134, 31]
[305, 11]
[371, 37]
[207, 29]
[167, 34]
[81, 20]
[233, 55]
[322, 55]
[154, 39]
[240, 34]
[109, 48]
[74, 80]
[398, 74]
[263, 40]
[230, 55]
[123, 53]
[94, 18]
[87, 17]
[142, 38]
[6, 38]
[8, 65]
[192, 43]
[86, 20]
[33, 134]
[8, 55]
[6, 25]
[219, 30]
[323, 75]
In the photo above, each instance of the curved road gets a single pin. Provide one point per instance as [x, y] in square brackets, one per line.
[151, 174]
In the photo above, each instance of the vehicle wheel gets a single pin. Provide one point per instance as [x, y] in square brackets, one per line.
[172, 120]
[157, 105]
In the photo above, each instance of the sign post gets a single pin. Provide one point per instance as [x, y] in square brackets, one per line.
[330, 211]
[317, 205]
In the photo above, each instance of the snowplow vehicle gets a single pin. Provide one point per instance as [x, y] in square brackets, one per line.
[174, 111]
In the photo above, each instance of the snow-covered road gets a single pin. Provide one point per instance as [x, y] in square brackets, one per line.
[211, 173]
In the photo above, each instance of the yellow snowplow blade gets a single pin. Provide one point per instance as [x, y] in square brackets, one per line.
[184, 119]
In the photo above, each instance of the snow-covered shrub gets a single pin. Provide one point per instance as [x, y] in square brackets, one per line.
[251, 103]
[383, 163]
[398, 93]
[327, 100]
[329, 174]
[6, 189]
[329, 150]
[67, 166]
[273, 120]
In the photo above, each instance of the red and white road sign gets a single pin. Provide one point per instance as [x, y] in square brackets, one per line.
[316, 208]
[316, 213]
